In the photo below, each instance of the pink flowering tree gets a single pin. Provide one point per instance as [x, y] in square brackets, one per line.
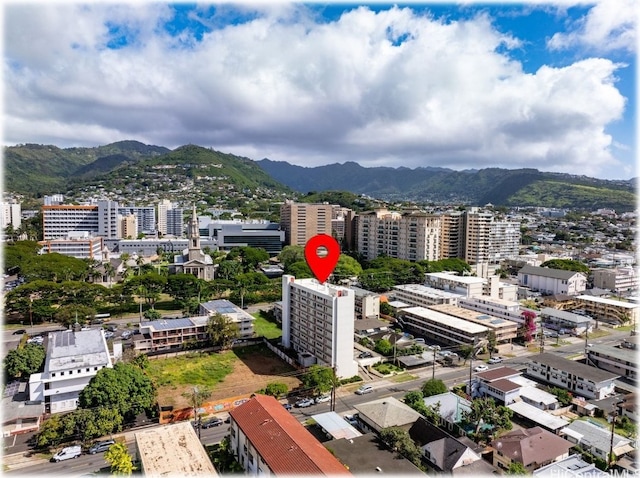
[529, 327]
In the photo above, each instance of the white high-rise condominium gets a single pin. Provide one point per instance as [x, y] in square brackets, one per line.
[163, 206]
[318, 323]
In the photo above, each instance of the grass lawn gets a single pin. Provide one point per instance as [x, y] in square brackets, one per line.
[596, 334]
[624, 328]
[206, 369]
[403, 377]
[264, 327]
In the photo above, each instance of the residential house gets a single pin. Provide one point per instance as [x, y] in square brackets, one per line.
[536, 417]
[369, 455]
[576, 377]
[572, 466]
[450, 407]
[172, 450]
[267, 440]
[72, 360]
[496, 383]
[385, 412]
[552, 281]
[444, 453]
[531, 447]
[19, 415]
[539, 398]
[596, 439]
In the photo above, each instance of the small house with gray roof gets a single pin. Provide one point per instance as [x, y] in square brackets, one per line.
[596, 439]
[384, 413]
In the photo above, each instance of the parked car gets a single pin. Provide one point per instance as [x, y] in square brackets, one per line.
[112, 327]
[101, 446]
[364, 389]
[304, 403]
[481, 368]
[212, 422]
[287, 406]
[126, 334]
[351, 419]
[365, 355]
[495, 360]
[19, 332]
[97, 321]
[108, 335]
[323, 398]
[67, 453]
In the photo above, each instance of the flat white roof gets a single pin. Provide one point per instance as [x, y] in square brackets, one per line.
[325, 289]
[601, 300]
[461, 279]
[538, 416]
[445, 319]
[424, 291]
[173, 450]
[335, 425]
[537, 395]
[474, 316]
[491, 300]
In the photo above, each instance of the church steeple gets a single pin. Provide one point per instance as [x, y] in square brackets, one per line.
[194, 234]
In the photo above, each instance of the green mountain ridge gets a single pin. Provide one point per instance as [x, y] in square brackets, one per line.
[127, 165]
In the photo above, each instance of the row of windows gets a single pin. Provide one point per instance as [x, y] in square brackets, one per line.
[70, 372]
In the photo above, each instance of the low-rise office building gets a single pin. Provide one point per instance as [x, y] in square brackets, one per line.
[171, 334]
[620, 280]
[505, 330]
[441, 327]
[504, 309]
[621, 361]
[366, 303]
[580, 379]
[80, 245]
[465, 286]
[72, 360]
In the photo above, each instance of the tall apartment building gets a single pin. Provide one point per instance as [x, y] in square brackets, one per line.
[163, 206]
[477, 236]
[53, 200]
[175, 222]
[412, 236]
[129, 226]
[452, 235]
[59, 220]
[146, 216]
[504, 240]
[10, 214]
[108, 225]
[318, 323]
[300, 221]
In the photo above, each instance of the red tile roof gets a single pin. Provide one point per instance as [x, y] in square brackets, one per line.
[283, 443]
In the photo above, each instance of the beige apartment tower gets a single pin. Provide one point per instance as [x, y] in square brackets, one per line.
[301, 221]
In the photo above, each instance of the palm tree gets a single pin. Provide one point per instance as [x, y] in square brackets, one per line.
[139, 263]
[110, 271]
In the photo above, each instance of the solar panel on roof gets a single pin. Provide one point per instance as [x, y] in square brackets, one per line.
[483, 317]
[497, 321]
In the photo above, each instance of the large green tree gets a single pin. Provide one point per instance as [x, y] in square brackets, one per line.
[400, 441]
[484, 411]
[54, 267]
[222, 331]
[346, 268]
[119, 459]
[434, 386]
[24, 361]
[290, 255]
[125, 387]
[148, 286]
[319, 379]
[567, 265]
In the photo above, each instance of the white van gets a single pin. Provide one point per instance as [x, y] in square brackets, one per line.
[67, 453]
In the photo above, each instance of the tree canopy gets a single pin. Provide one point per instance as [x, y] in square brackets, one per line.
[567, 265]
[221, 330]
[24, 361]
[434, 386]
[125, 387]
[319, 378]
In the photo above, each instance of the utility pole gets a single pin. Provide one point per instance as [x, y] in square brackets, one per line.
[541, 339]
[433, 370]
[333, 389]
[195, 411]
[613, 427]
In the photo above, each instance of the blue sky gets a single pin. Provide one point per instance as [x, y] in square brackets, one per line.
[549, 86]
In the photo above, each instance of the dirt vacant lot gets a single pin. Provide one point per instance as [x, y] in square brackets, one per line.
[252, 368]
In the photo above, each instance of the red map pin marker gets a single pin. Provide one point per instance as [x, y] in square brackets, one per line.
[322, 265]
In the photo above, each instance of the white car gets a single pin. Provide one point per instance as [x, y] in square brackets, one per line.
[495, 360]
[481, 368]
[323, 398]
[364, 389]
[304, 403]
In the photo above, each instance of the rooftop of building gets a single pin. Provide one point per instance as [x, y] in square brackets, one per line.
[545, 419]
[564, 315]
[284, 445]
[604, 300]
[498, 373]
[531, 445]
[173, 450]
[619, 353]
[313, 285]
[452, 277]
[423, 290]
[445, 319]
[584, 371]
[491, 300]
[76, 350]
[548, 272]
[468, 314]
